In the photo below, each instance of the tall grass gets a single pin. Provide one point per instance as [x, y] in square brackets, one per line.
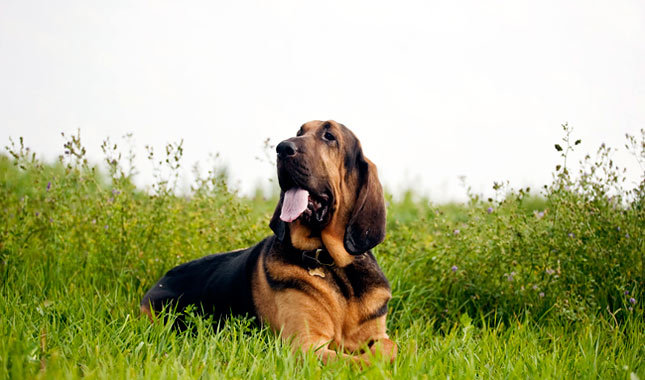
[527, 284]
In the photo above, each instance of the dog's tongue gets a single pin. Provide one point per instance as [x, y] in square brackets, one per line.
[294, 203]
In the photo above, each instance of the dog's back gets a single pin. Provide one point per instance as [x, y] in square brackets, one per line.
[218, 284]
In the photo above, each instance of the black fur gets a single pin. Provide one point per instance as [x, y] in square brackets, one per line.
[219, 284]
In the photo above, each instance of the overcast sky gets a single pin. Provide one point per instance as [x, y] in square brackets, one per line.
[435, 90]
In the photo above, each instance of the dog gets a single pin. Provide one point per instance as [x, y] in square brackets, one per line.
[315, 281]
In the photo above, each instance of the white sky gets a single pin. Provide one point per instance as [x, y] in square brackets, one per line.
[434, 89]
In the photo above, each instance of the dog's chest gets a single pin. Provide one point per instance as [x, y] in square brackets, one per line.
[356, 280]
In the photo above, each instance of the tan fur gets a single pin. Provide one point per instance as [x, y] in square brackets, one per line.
[324, 321]
[332, 165]
[301, 237]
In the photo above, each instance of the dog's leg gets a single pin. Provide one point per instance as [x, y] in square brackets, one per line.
[385, 347]
[308, 324]
[320, 346]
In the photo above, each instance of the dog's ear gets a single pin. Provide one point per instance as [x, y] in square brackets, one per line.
[366, 225]
[278, 226]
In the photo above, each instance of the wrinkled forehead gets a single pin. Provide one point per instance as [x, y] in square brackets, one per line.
[316, 126]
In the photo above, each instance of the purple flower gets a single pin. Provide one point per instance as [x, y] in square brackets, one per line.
[49, 185]
[454, 268]
[618, 228]
[541, 294]
[115, 192]
[37, 213]
[549, 271]
[106, 227]
[489, 210]
[539, 215]
[632, 301]
[455, 232]
[571, 234]
[626, 292]
[627, 235]
[535, 287]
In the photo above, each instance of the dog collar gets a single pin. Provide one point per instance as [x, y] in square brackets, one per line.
[317, 257]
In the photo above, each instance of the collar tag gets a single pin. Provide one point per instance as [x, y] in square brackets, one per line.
[317, 272]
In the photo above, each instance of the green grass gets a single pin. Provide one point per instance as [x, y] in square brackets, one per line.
[519, 286]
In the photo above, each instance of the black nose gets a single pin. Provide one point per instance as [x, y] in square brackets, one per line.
[286, 149]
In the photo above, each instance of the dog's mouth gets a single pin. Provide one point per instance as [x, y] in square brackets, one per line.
[299, 203]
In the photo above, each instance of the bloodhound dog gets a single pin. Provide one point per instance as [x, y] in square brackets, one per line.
[315, 281]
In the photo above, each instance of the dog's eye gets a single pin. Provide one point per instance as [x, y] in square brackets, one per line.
[329, 137]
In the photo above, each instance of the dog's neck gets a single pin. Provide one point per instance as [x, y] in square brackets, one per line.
[316, 255]
[304, 239]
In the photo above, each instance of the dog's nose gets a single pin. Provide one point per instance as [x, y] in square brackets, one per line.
[286, 149]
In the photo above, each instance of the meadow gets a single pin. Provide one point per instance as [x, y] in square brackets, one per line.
[542, 283]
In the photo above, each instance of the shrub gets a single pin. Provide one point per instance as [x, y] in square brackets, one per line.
[576, 251]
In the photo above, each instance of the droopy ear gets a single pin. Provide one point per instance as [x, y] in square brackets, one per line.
[366, 224]
[277, 225]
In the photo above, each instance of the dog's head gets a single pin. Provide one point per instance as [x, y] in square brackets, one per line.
[330, 193]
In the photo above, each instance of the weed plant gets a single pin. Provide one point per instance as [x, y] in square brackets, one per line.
[522, 285]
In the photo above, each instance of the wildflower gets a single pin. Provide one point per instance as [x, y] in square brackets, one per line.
[49, 185]
[454, 268]
[632, 301]
[509, 277]
[489, 210]
[539, 215]
[572, 235]
[106, 227]
[455, 232]
[37, 213]
[535, 287]
[618, 228]
[627, 235]
[549, 271]
[51, 220]
[93, 221]
[541, 294]
[115, 192]
[626, 292]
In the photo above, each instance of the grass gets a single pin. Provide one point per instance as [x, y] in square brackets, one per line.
[518, 286]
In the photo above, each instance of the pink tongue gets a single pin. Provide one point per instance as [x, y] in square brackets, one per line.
[294, 203]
